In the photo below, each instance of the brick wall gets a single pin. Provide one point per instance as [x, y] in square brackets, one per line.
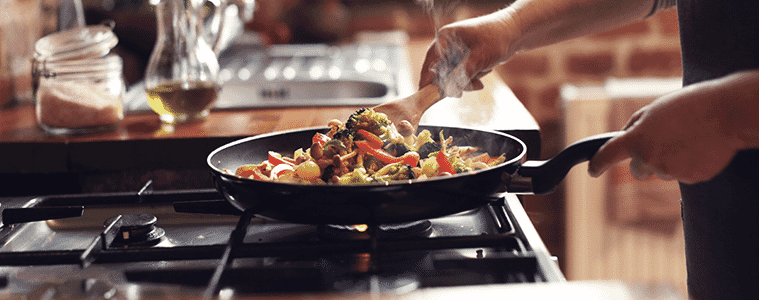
[648, 48]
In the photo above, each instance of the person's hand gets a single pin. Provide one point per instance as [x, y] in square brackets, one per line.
[465, 51]
[690, 135]
[469, 49]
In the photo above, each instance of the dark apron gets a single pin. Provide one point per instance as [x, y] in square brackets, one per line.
[721, 216]
[721, 225]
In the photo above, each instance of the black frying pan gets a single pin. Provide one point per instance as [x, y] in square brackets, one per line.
[395, 202]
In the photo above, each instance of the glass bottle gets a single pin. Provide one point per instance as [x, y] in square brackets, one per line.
[181, 77]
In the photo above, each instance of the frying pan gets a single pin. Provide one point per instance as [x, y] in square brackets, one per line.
[393, 202]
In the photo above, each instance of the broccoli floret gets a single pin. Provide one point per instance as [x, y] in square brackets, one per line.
[356, 176]
[369, 120]
[329, 171]
[460, 167]
[346, 136]
[422, 138]
[393, 172]
[372, 164]
[333, 147]
[428, 148]
[397, 149]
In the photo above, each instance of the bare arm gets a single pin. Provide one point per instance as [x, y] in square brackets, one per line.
[741, 104]
[492, 39]
[544, 22]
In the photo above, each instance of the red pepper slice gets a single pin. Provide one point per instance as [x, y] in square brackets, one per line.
[257, 174]
[277, 159]
[377, 153]
[248, 171]
[372, 138]
[444, 163]
[409, 158]
[320, 139]
[484, 158]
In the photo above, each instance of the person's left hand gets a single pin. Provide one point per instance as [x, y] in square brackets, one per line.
[688, 135]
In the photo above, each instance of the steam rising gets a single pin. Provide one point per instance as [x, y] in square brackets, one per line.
[443, 8]
[451, 74]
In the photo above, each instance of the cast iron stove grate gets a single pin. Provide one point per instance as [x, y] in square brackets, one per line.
[300, 264]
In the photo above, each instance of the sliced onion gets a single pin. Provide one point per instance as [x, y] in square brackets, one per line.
[280, 169]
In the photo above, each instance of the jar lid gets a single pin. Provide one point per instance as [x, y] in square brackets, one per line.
[76, 43]
[80, 67]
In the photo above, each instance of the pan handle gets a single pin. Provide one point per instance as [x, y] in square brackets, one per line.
[542, 177]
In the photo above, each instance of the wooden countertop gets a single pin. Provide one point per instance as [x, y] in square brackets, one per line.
[587, 290]
[141, 141]
[19, 125]
[21, 136]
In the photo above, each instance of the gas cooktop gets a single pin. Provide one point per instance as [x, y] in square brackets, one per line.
[175, 244]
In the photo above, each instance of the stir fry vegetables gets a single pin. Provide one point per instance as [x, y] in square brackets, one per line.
[368, 148]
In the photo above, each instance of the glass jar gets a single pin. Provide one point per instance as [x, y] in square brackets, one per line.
[81, 96]
[78, 87]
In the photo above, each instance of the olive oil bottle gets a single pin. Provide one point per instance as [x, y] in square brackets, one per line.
[181, 77]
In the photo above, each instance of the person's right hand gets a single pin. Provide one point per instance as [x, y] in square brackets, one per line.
[689, 135]
[482, 43]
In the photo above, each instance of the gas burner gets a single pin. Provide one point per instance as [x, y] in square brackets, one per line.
[385, 231]
[137, 230]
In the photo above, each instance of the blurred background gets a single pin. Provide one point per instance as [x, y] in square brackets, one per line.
[614, 228]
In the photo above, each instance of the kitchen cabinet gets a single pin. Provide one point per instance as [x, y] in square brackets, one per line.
[618, 227]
